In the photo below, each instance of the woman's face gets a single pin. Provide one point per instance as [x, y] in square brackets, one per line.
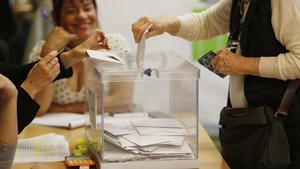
[78, 17]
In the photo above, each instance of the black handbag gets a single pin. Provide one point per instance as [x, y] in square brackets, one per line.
[254, 137]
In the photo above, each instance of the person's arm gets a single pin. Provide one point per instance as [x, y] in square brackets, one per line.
[77, 107]
[41, 75]
[8, 111]
[27, 109]
[44, 99]
[286, 24]
[8, 122]
[208, 24]
[16, 74]
[69, 58]
[57, 39]
[285, 66]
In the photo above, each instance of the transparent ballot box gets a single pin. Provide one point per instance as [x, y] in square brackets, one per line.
[143, 118]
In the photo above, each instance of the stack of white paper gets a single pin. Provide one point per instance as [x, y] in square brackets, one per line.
[45, 148]
[61, 119]
[143, 137]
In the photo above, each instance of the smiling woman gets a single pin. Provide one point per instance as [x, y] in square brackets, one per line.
[75, 21]
[77, 16]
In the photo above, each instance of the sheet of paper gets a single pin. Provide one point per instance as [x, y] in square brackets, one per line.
[141, 50]
[105, 56]
[45, 148]
[154, 140]
[135, 115]
[181, 150]
[139, 136]
[67, 120]
[119, 131]
[156, 131]
[157, 122]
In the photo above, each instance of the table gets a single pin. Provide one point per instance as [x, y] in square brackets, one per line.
[210, 157]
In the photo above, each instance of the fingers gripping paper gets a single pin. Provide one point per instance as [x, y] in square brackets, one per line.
[141, 49]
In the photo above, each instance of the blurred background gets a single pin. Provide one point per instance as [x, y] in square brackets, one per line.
[25, 22]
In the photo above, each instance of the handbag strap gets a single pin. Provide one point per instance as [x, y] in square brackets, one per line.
[288, 96]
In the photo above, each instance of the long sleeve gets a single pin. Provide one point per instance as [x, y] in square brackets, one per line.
[26, 106]
[208, 24]
[26, 109]
[16, 74]
[286, 25]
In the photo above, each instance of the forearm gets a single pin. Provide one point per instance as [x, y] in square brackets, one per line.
[8, 121]
[207, 24]
[73, 107]
[44, 99]
[249, 66]
[26, 109]
[286, 66]
[16, 74]
[68, 59]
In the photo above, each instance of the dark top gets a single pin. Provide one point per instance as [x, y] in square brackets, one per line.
[258, 39]
[26, 106]
[8, 25]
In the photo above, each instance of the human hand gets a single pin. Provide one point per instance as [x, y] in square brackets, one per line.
[42, 74]
[230, 63]
[57, 39]
[159, 26]
[7, 88]
[95, 42]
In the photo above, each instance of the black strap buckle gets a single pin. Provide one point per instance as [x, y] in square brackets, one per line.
[281, 115]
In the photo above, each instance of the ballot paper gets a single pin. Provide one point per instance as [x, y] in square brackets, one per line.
[141, 49]
[44, 148]
[152, 131]
[136, 115]
[61, 119]
[157, 122]
[139, 136]
[107, 56]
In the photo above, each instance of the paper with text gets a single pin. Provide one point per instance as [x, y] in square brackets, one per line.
[45, 148]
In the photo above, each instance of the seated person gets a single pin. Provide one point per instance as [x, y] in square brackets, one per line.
[78, 18]
[41, 74]
[19, 88]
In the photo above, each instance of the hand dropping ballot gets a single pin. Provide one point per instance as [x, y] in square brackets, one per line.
[105, 56]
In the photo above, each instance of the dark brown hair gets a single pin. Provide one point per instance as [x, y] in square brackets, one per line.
[57, 4]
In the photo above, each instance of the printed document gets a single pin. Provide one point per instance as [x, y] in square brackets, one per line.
[45, 148]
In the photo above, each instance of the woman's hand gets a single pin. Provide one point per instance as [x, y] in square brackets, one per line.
[96, 41]
[42, 74]
[57, 39]
[159, 26]
[230, 63]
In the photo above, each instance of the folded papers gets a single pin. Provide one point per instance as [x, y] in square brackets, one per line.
[138, 137]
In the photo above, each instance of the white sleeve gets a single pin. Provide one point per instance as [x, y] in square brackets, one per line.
[208, 24]
[35, 53]
[286, 25]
